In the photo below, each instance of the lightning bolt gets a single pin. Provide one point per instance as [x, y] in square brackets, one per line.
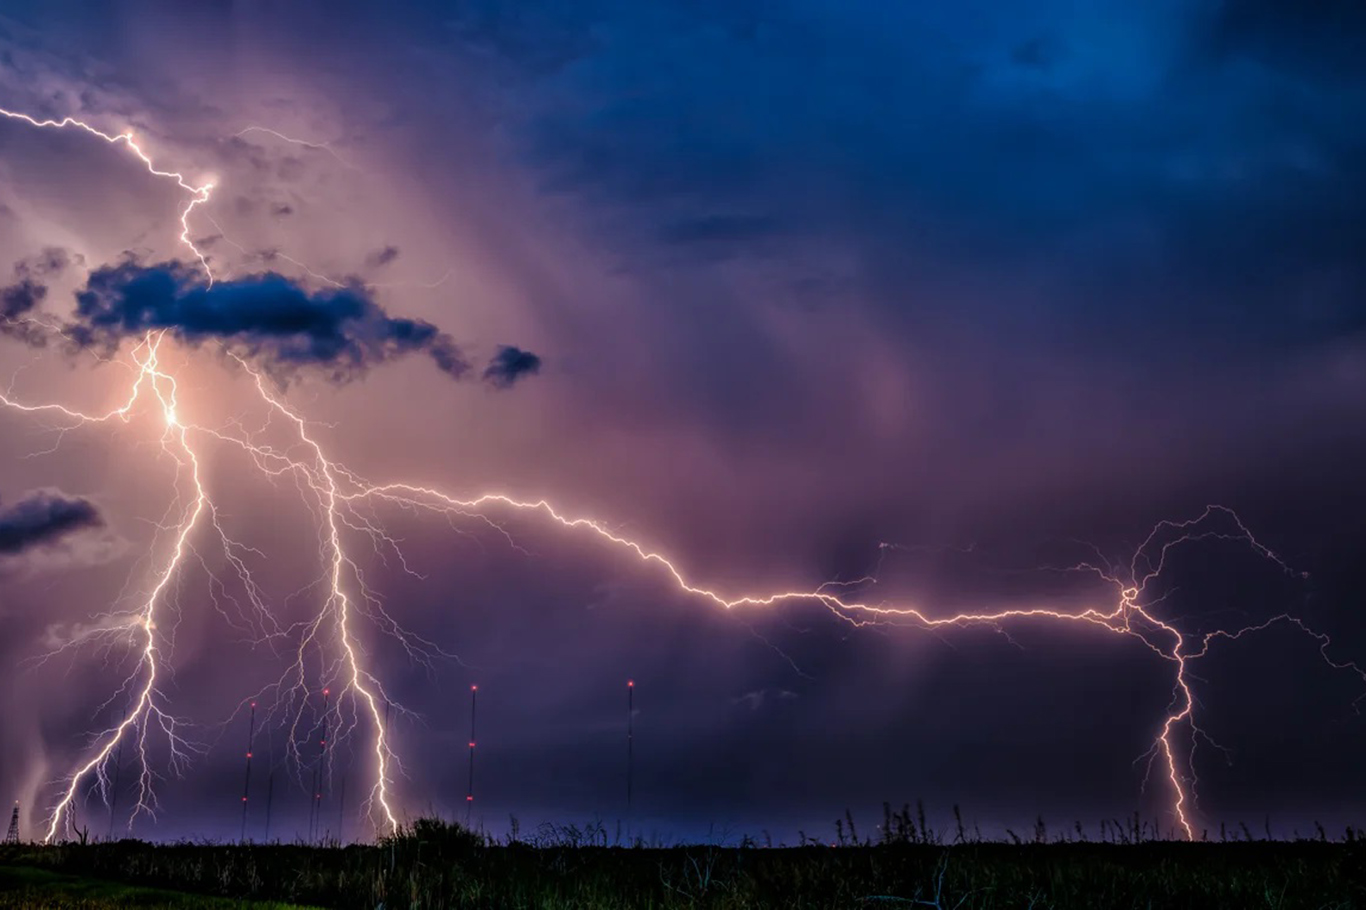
[316, 146]
[146, 709]
[358, 679]
[198, 194]
[318, 475]
[343, 502]
[1129, 615]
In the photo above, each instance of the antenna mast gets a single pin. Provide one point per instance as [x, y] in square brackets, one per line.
[469, 793]
[630, 738]
[246, 785]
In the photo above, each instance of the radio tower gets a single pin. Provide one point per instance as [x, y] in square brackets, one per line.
[630, 738]
[246, 785]
[469, 794]
[12, 835]
[315, 814]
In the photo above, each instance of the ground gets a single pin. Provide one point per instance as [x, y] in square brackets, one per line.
[30, 888]
[435, 865]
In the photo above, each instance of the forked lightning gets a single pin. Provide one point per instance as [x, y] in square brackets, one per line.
[338, 496]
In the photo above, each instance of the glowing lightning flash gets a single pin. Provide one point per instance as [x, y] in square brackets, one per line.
[338, 495]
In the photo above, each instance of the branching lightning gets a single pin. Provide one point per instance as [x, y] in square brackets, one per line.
[198, 194]
[317, 146]
[343, 504]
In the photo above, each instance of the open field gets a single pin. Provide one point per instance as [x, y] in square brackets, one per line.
[30, 888]
[435, 866]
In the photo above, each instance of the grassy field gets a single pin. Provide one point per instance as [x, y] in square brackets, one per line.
[434, 865]
[30, 888]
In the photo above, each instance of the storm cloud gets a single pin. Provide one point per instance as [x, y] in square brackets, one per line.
[382, 257]
[19, 300]
[509, 365]
[266, 317]
[814, 276]
[42, 518]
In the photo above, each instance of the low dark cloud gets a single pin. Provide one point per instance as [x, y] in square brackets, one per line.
[27, 293]
[20, 298]
[43, 518]
[266, 317]
[509, 365]
[381, 258]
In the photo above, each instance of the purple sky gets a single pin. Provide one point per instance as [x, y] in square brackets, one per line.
[803, 279]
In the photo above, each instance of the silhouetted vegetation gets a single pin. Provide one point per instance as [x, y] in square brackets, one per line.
[28, 888]
[902, 862]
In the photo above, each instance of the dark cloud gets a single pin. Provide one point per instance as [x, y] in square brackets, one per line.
[1163, 152]
[43, 518]
[52, 260]
[1326, 39]
[509, 365]
[381, 258]
[19, 300]
[266, 317]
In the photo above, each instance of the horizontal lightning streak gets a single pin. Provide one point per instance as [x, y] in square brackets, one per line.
[1120, 619]
[317, 146]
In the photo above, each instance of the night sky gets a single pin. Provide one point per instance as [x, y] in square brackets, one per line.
[955, 294]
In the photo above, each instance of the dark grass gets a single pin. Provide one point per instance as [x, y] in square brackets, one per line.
[437, 865]
[30, 888]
